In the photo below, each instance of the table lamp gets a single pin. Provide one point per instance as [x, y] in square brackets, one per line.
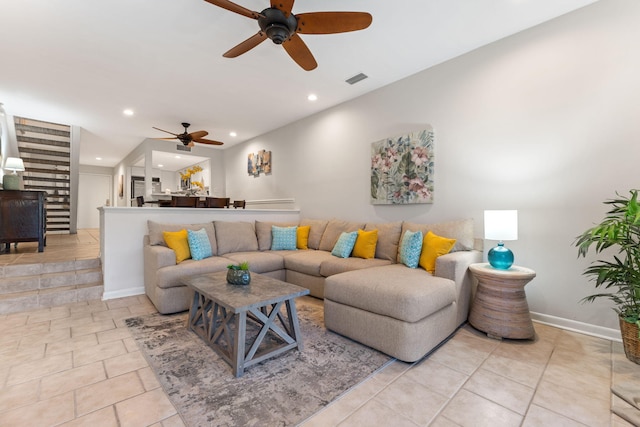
[12, 181]
[500, 225]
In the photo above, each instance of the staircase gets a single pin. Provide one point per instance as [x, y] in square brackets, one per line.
[34, 286]
[45, 149]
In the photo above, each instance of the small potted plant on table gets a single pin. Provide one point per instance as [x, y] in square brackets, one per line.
[238, 274]
[618, 231]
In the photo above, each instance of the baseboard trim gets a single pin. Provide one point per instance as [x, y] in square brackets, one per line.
[123, 293]
[575, 326]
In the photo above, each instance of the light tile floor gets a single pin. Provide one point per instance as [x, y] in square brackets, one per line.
[77, 365]
[85, 244]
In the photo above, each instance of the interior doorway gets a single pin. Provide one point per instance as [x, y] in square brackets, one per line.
[94, 190]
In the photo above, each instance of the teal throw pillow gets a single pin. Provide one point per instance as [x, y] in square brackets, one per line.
[199, 244]
[344, 245]
[284, 238]
[410, 248]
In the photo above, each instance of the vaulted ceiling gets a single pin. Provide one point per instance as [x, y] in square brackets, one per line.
[82, 62]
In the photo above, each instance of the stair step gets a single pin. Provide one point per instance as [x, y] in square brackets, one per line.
[32, 286]
[43, 298]
[48, 267]
[49, 280]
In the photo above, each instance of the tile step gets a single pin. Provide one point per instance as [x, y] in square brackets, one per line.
[20, 270]
[33, 282]
[43, 298]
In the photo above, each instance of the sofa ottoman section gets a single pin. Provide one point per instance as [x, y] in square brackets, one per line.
[401, 311]
[406, 341]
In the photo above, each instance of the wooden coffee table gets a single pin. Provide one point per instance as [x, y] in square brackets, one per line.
[219, 314]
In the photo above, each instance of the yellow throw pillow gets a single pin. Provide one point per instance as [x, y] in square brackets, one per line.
[179, 242]
[365, 246]
[432, 247]
[303, 237]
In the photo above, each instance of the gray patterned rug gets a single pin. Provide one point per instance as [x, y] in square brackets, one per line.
[281, 391]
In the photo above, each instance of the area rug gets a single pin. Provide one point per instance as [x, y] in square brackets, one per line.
[281, 391]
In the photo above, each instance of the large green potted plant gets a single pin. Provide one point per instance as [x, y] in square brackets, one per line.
[618, 235]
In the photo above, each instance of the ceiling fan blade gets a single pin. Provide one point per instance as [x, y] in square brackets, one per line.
[299, 52]
[162, 130]
[284, 5]
[190, 144]
[332, 22]
[199, 134]
[207, 141]
[231, 6]
[246, 45]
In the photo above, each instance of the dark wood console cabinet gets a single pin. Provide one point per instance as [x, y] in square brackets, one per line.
[23, 217]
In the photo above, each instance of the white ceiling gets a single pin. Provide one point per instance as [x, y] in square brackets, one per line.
[82, 62]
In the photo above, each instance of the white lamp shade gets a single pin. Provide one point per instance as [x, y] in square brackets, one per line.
[14, 164]
[501, 225]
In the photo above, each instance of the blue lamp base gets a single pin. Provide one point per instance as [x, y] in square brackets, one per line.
[500, 257]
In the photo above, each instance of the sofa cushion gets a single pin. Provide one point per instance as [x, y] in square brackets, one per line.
[317, 227]
[340, 265]
[434, 246]
[333, 231]
[199, 245]
[365, 246]
[263, 232]
[410, 248]
[388, 239]
[169, 277]
[284, 238]
[302, 238]
[307, 262]
[393, 290]
[259, 262]
[235, 236]
[179, 243]
[156, 229]
[344, 245]
[461, 230]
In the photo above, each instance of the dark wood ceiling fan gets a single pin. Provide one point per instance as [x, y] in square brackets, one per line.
[188, 139]
[282, 27]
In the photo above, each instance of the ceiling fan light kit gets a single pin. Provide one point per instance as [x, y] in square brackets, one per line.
[278, 24]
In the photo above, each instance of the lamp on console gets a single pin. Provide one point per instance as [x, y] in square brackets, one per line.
[12, 181]
[500, 225]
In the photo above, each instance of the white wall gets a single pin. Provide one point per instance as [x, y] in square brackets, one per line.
[94, 190]
[544, 122]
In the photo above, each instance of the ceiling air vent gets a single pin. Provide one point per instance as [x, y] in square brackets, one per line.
[355, 79]
[181, 147]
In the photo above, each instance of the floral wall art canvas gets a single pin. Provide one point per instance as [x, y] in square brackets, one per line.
[402, 169]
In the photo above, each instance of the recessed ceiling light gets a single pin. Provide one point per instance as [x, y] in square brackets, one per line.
[312, 97]
[98, 158]
[160, 166]
[128, 112]
[178, 157]
[233, 134]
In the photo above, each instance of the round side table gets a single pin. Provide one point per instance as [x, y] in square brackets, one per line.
[500, 306]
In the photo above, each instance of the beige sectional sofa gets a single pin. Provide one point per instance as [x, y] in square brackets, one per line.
[401, 311]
